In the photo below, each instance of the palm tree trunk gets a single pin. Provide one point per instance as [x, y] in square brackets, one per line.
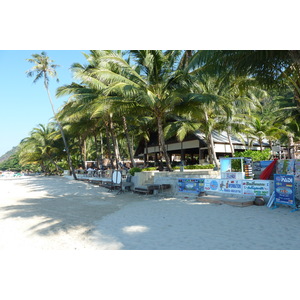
[146, 154]
[213, 152]
[62, 133]
[230, 143]
[108, 144]
[101, 148]
[291, 146]
[130, 150]
[162, 142]
[114, 139]
[97, 150]
[211, 145]
[56, 165]
[209, 150]
[260, 145]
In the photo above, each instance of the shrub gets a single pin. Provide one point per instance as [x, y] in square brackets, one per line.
[196, 167]
[133, 170]
[149, 169]
[255, 155]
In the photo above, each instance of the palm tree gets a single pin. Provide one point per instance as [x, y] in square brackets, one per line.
[269, 67]
[42, 147]
[43, 68]
[153, 84]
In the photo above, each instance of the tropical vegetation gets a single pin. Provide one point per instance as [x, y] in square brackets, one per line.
[120, 98]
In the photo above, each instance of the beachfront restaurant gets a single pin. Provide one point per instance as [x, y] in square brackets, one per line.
[193, 149]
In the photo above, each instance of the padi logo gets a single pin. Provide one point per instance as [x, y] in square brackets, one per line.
[284, 179]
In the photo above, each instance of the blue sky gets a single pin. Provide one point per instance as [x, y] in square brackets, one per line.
[23, 104]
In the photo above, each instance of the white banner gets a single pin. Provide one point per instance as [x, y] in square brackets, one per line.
[243, 187]
[256, 187]
[230, 186]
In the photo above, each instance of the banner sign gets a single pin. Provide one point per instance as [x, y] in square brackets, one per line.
[284, 189]
[228, 175]
[225, 165]
[191, 185]
[285, 166]
[211, 185]
[231, 186]
[223, 186]
[256, 187]
[232, 175]
[297, 169]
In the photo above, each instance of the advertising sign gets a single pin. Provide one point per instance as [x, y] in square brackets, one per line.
[223, 186]
[284, 189]
[225, 165]
[261, 165]
[191, 185]
[297, 169]
[229, 175]
[285, 166]
[256, 187]
[230, 186]
[211, 185]
[233, 175]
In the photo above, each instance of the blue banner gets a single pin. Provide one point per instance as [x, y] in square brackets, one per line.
[284, 189]
[191, 185]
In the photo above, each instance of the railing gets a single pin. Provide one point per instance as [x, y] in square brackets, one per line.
[97, 173]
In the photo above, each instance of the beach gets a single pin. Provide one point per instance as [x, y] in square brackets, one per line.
[55, 213]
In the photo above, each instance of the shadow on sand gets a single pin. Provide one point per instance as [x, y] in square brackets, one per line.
[59, 204]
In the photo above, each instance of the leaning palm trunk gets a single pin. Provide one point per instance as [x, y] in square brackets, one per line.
[213, 152]
[62, 134]
[230, 143]
[210, 156]
[133, 164]
[55, 164]
[163, 144]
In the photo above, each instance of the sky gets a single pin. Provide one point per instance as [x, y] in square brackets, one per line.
[24, 104]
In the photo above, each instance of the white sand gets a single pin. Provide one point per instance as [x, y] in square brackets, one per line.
[61, 214]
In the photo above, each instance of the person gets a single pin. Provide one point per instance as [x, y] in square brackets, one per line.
[90, 171]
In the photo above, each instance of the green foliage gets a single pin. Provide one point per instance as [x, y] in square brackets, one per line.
[196, 167]
[255, 155]
[149, 169]
[12, 164]
[134, 170]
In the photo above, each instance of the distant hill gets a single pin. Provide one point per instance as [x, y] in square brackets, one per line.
[8, 154]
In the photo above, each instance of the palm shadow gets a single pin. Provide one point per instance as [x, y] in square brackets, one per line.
[65, 207]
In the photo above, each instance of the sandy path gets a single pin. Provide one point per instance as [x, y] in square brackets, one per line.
[56, 213]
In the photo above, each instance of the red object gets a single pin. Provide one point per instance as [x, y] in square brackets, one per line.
[267, 172]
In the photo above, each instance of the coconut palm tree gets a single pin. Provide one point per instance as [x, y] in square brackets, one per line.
[153, 84]
[42, 147]
[43, 68]
[269, 67]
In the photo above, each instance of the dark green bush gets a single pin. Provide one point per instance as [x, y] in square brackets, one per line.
[149, 169]
[255, 155]
[133, 170]
[195, 167]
